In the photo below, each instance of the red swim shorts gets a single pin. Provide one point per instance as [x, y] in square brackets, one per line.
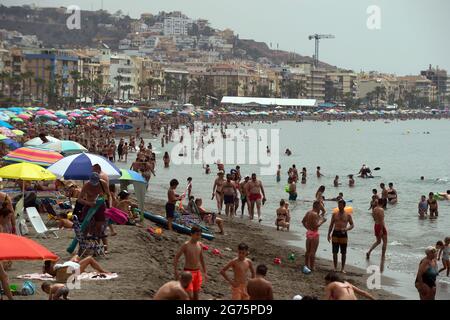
[254, 197]
[196, 282]
[377, 229]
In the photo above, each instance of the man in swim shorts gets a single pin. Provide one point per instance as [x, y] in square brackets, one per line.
[259, 288]
[193, 262]
[337, 234]
[254, 188]
[229, 194]
[312, 221]
[242, 190]
[380, 232]
[292, 190]
[384, 196]
[172, 199]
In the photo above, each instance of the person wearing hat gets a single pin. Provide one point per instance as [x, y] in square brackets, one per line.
[93, 189]
[426, 275]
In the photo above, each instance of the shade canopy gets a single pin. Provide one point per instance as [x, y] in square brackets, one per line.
[26, 171]
[79, 167]
[37, 156]
[14, 247]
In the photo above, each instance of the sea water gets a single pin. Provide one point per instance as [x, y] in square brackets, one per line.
[404, 151]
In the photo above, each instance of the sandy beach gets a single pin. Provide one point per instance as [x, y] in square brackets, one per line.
[144, 263]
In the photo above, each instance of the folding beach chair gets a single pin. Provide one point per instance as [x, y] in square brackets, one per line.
[21, 226]
[38, 224]
[85, 242]
[53, 215]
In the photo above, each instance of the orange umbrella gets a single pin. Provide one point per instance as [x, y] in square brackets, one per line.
[13, 247]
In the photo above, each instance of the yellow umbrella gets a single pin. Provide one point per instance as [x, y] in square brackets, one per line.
[18, 132]
[26, 171]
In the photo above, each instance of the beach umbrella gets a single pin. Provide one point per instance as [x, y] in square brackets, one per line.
[64, 146]
[139, 184]
[4, 117]
[37, 141]
[24, 116]
[26, 172]
[6, 132]
[32, 155]
[130, 175]
[3, 137]
[18, 132]
[51, 123]
[12, 144]
[64, 121]
[6, 125]
[13, 247]
[79, 167]
[16, 120]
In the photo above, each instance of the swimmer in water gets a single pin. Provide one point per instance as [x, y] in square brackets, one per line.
[318, 173]
[351, 181]
[336, 181]
[423, 207]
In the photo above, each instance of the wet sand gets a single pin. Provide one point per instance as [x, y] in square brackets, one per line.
[144, 263]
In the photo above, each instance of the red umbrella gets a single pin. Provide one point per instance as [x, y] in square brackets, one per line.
[13, 247]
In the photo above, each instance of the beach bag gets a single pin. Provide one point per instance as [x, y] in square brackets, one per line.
[116, 215]
[28, 288]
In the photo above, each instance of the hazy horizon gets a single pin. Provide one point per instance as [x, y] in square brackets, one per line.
[412, 35]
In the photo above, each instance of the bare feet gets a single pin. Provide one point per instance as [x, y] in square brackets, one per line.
[113, 234]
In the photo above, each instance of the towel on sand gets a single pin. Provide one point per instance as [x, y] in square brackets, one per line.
[88, 276]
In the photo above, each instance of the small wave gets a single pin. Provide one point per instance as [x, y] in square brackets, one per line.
[395, 243]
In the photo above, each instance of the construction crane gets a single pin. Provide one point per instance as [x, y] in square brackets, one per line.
[317, 38]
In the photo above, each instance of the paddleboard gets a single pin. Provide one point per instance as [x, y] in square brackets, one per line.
[162, 221]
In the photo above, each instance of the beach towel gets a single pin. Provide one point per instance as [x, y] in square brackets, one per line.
[86, 276]
[116, 215]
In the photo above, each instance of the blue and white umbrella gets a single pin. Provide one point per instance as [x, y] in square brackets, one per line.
[79, 167]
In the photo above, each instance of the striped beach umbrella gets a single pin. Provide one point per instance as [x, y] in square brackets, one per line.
[79, 167]
[40, 157]
[64, 146]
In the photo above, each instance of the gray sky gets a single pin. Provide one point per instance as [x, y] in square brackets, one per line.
[413, 34]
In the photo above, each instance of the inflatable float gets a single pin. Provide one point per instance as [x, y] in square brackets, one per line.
[162, 221]
[348, 210]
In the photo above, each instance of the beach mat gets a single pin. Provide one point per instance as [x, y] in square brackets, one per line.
[86, 276]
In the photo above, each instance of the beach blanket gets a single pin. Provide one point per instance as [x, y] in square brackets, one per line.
[87, 276]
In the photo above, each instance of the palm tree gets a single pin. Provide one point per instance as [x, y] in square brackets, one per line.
[197, 86]
[379, 92]
[126, 88]
[150, 83]
[119, 78]
[184, 85]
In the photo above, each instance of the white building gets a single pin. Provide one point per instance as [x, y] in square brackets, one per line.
[124, 66]
[176, 26]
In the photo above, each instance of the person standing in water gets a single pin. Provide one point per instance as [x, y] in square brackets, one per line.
[380, 232]
[318, 173]
[433, 204]
[337, 234]
[392, 194]
[279, 173]
[254, 189]
[312, 222]
[423, 207]
[218, 192]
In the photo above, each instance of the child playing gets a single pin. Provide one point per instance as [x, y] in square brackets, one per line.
[240, 265]
[444, 251]
[55, 291]
[423, 207]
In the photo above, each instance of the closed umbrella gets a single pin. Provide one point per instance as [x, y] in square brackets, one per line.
[79, 167]
[14, 247]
